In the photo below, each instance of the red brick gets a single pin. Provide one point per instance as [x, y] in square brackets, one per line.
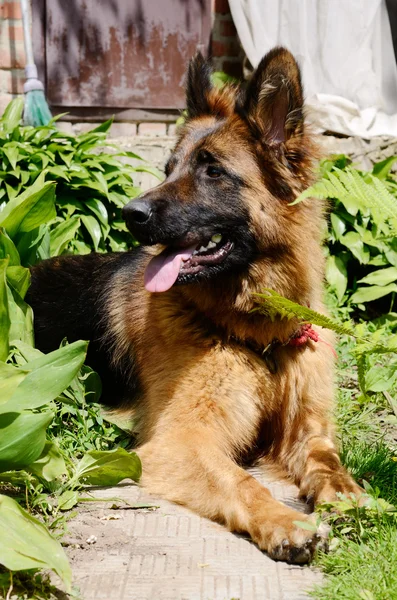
[10, 10]
[227, 28]
[222, 7]
[16, 32]
[229, 48]
[12, 58]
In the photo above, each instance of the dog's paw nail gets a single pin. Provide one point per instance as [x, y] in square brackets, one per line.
[285, 543]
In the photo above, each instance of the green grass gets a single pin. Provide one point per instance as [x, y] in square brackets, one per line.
[362, 562]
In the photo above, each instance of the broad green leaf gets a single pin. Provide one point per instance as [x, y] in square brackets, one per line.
[380, 379]
[354, 243]
[98, 208]
[12, 154]
[10, 378]
[382, 169]
[34, 245]
[368, 294]
[5, 323]
[49, 376]
[26, 351]
[22, 438]
[151, 170]
[50, 465]
[108, 467]
[12, 115]
[338, 225]
[62, 234]
[21, 317]
[19, 278]
[103, 127]
[30, 209]
[306, 525]
[380, 277]
[93, 229]
[336, 274]
[68, 499]
[8, 249]
[26, 544]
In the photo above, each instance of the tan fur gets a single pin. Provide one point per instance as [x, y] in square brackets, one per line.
[209, 399]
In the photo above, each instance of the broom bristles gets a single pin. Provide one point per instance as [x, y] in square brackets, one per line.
[36, 111]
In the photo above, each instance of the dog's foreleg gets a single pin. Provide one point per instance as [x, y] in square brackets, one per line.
[314, 463]
[192, 469]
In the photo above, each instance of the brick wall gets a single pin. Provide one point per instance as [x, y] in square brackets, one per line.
[225, 50]
[227, 54]
[12, 53]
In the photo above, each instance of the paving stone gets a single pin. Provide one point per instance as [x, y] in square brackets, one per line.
[172, 554]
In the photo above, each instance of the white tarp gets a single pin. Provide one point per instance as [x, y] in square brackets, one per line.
[345, 51]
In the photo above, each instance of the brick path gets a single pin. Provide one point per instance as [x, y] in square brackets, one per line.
[171, 554]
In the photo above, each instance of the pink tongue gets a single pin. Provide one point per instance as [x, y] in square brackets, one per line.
[162, 271]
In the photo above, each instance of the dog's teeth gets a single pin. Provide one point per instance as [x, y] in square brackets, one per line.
[211, 245]
[202, 249]
[216, 238]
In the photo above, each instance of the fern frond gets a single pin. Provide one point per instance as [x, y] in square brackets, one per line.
[355, 192]
[273, 304]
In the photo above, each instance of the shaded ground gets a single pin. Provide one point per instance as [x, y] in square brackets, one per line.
[168, 553]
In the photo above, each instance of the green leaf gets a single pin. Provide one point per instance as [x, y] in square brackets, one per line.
[306, 525]
[62, 234]
[338, 225]
[22, 438]
[50, 465]
[380, 277]
[26, 544]
[103, 127]
[336, 274]
[34, 245]
[68, 499]
[5, 322]
[12, 154]
[49, 376]
[108, 467]
[12, 115]
[10, 378]
[380, 379]
[30, 209]
[352, 240]
[368, 294]
[19, 278]
[99, 209]
[93, 229]
[21, 317]
[382, 169]
[8, 249]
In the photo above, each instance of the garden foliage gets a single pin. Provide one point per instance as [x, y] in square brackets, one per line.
[58, 194]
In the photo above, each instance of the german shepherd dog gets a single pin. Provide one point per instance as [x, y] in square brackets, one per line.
[171, 323]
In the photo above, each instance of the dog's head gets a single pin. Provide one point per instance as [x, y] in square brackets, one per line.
[241, 158]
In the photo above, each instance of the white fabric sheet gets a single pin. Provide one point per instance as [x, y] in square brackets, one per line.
[345, 51]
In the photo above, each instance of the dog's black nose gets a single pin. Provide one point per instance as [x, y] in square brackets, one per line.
[137, 211]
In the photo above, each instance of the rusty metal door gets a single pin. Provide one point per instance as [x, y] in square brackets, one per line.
[121, 53]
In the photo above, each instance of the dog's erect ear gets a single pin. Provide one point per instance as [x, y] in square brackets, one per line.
[274, 98]
[199, 86]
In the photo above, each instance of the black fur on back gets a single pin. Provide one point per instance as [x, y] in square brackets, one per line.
[68, 297]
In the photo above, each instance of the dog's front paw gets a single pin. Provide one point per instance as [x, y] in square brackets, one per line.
[291, 537]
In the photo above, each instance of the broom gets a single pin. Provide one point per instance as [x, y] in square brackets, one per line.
[36, 111]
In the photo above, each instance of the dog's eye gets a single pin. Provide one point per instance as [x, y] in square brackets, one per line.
[214, 172]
